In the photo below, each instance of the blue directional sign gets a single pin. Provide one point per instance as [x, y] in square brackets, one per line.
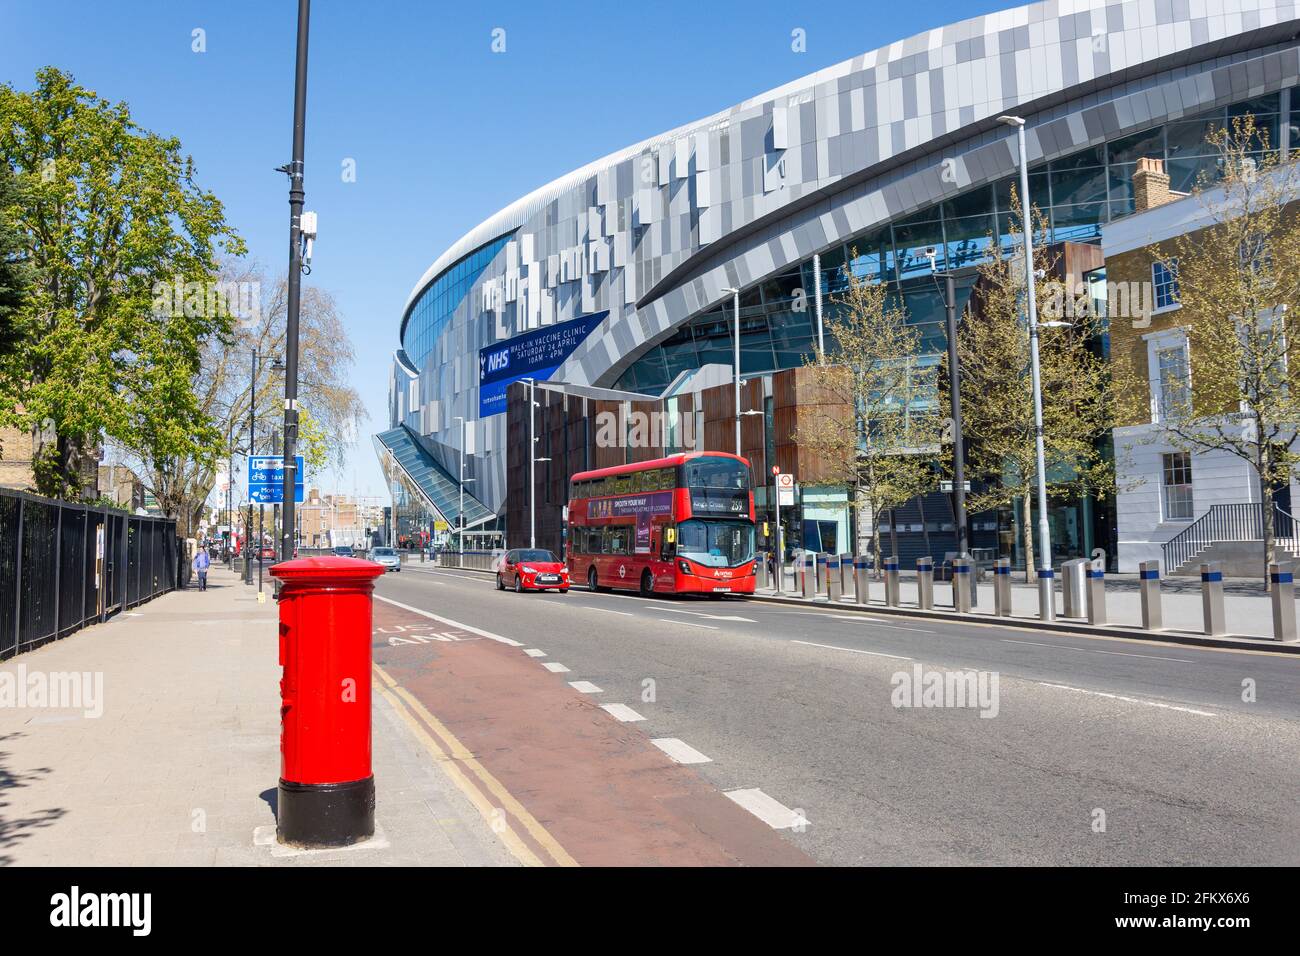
[266, 480]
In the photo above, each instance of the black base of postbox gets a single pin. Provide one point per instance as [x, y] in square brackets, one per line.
[325, 814]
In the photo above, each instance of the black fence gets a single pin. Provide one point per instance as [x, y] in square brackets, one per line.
[65, 565]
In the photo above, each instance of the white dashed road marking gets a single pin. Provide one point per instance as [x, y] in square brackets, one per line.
[669, 620]
[555, 668]
[534, 652]
[621, 712]
[852, 650]
[680, 752]
[585, 687]
[774, 814]
[1130, 700]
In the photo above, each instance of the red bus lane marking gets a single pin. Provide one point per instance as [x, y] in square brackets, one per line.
[605, 794]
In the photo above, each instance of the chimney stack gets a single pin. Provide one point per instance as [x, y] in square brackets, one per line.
[1150, 184]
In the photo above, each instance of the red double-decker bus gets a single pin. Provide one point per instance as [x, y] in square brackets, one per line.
[677, 525]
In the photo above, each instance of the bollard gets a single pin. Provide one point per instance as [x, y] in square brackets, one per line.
[1046, 594]
[1149, 588]
[891, 581]
[1212, 599]
[821, 573]
[1002, 587]
[962, 575]
[808, 576]
[846, 573]
[1096, 578]
[862, 579]
[833, 578]
[1072, 588]
[327, 790]
[925, 583]
[1283, 594]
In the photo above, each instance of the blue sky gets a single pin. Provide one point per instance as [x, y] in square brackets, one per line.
[443, 131]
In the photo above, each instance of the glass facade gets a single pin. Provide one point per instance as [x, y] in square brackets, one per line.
[431, 312]
[1079, 193]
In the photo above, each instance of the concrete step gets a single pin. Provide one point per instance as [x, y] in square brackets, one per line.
[1244, 559]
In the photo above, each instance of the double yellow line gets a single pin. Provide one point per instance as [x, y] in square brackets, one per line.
[479, 785]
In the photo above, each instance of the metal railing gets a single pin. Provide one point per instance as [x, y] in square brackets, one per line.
[1234, 522]
[469, 560]
[65, 565]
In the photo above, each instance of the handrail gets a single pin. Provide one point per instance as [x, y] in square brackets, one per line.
[1227, 522]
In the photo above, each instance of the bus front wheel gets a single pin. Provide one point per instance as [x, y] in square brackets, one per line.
[647, 584]
[591, 579]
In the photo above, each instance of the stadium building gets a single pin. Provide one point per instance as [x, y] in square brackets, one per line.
[610, 287]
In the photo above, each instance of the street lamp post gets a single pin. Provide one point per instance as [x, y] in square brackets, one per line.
[735, 293]
[532, 465]
[1046, 594]
[958, 435]
[252, 447]
[294, 290]
[460, 519]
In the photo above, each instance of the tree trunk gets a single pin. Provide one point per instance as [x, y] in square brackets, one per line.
[1264, 467]
[1027, 531]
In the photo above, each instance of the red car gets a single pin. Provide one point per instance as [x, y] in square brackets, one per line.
[532, 569]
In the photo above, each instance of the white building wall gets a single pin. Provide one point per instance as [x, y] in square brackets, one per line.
[1217, 478]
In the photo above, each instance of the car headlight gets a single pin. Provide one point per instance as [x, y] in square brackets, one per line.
[527, 570]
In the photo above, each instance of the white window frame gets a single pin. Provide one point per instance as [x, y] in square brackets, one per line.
[1172, 268]
[1158, 342]
[1165, 486]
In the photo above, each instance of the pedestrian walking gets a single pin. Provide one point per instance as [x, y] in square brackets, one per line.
[201, 564]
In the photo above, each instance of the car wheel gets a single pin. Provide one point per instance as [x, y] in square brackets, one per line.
[519, 584]
[564, 590]
[647, 584]
[500, 585]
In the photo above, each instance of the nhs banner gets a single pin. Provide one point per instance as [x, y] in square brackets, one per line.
[534, 354]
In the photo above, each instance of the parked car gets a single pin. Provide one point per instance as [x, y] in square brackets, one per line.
[532, 569]
[267, 553]
[388, 557]
[344, 551]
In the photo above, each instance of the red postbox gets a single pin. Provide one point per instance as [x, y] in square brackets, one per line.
[327, 790]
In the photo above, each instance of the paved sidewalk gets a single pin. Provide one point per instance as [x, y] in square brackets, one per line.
[182, 765]
[1246, 604]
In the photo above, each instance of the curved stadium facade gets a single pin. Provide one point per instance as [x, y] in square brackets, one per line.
[616, 276]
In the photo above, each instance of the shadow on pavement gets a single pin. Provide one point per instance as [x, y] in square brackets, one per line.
[15, 830]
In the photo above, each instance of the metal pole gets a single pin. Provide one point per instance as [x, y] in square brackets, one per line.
[294, 298]
[958, 439]
[252, 434]
[261, 516]
[532, 472]
[778, 565]
[817, 306]
[230, 487]
[1044, 533]
[460, 520]
[736, 300]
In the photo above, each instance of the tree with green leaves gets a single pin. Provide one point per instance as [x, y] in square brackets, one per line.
[108, 214]
[15, 274]
[997, 388]
[878, 433]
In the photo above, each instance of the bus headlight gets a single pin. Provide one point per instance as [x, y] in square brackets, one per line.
[683, 567]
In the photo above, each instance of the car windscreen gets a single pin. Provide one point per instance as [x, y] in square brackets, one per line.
[383, 552]
[538, 555]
